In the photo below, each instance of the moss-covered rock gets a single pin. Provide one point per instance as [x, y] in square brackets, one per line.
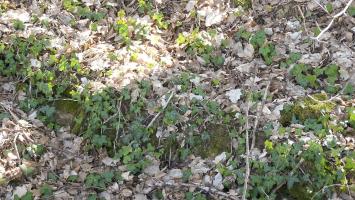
[306, 108]
[69, 113]
[218, 142]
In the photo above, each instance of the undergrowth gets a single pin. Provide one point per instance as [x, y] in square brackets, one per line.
[117, 120]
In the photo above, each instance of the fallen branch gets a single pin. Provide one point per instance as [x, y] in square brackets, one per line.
[118, 126]
[333, 19]
[291, 173]
[15, 146]
[320, 5]
[247, 165]
[325, 187]
[260, 110]
[157, 115]
[10, 111]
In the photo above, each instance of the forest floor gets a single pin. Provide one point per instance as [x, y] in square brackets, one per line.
[159, 99]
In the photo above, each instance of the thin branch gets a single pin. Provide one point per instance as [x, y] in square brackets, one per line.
[260, 110]
[247, 165]
[10, 111]
[118, 126]
[15, 146]
[325, 187]
[333, 19]
[114, 115]
[320, 5]
[291, 173]
[303, 18]
[157, 115]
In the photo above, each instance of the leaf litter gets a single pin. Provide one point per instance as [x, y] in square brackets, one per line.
[156, 57]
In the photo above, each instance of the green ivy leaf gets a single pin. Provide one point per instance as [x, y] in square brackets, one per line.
[351, 11]
[46, 191]
[108, 176]
[329, 7]
[99, 140]
[27, 196]
[258, 39]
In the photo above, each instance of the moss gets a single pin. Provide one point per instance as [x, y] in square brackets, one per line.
[306, 108]
[218, 142]
[69, 113]
[300, 192]
[244, 3]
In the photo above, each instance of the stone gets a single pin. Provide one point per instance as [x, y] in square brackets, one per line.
[268, 31]
[175, 173]
[140, 197]
[220, 158]
[218, 181]
[207, 180]
[126, 192]
[152, 170]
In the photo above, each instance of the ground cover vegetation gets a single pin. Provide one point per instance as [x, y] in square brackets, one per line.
[177, 100]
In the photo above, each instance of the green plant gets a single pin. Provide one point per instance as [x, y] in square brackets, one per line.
[317, 169]
[265, 49]
[158, 17]
[267, 52]
[27, 196]
[76, 8]
[35, 150]
[244, 3]
[186, 175]
[196, 45]
[316, 31]
[351, 11]
[307, 76]
[128, 28]
[144, 6]
[100, 181]
[329, 7]
[258, 39]
[46, 191]
[18, 25]
[292, 59]
[243, 34]
[351, 116]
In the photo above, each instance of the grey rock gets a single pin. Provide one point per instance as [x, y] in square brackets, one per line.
[175, 173]
[126, 192]
[207, 180]
[152, 170]
[140, 197]
[293, 25]
[218, 181]
[269, 31]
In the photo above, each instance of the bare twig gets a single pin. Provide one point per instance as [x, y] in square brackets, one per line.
[114, 115]
[260, 110]
[325, 187]
[15, 146]
[342, 12]
[303, 18]
[247, 166]
[291, 173]
[10, 111]
[157, 115]
[320, 5]
[119, 124]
